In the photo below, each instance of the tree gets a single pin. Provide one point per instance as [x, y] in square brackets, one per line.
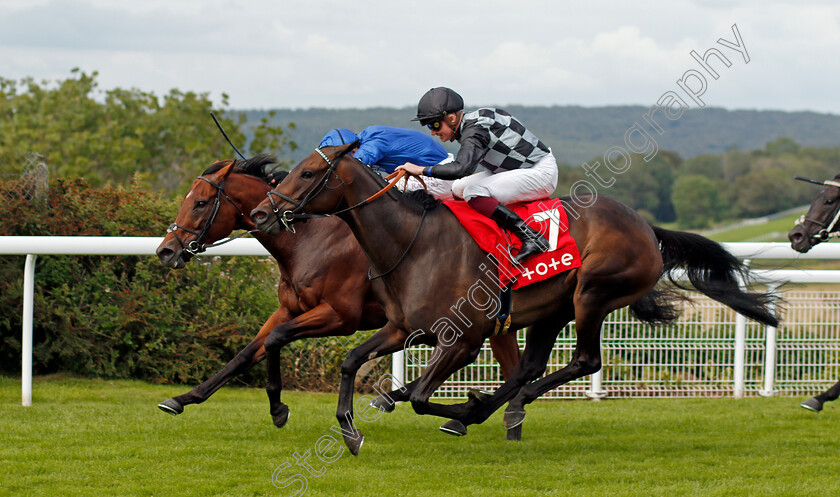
[696, 201]
[107, 137]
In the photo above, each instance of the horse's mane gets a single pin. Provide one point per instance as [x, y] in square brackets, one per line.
[257, 166]
[420, 200]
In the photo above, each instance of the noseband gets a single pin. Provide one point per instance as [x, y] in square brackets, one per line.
[828, 230]
[197, 245]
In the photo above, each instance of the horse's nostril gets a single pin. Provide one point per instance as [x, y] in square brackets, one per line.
[165, 252]
[258, 215]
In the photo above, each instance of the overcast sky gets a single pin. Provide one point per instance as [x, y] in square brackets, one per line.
[267, 54]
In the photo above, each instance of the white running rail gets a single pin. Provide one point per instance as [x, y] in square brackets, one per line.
[32, 246]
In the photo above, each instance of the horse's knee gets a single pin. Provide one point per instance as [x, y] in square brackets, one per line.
[276, 339]
[588, 365]
[529, 372]
[419, 403]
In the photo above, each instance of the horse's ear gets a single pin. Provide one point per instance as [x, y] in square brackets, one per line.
[344, 149]
[226, 171]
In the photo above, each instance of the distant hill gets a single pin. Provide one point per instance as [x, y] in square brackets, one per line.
[578, 134]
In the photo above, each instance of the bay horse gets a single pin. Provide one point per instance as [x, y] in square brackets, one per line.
[818, 225]
[323, 291]
[431, 268]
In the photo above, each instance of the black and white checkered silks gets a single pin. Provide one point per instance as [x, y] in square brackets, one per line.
[512, 146]
[519, 167]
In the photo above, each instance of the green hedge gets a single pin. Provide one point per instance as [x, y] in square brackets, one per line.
[126, 317]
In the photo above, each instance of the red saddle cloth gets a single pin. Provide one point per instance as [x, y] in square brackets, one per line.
[546, 216]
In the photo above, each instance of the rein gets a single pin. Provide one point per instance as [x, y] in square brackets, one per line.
[197, 246]
[828, 231]
[402, 257]
[288, 217]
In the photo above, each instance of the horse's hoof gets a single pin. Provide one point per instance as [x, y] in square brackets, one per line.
[281, 416]
[513, 419]
[479, 395]
[171, 406]
[454, 427]
[514, 434]
[812, 404]
[355, 444]
[383, 404]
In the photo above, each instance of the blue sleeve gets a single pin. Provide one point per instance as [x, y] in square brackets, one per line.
[368, 153]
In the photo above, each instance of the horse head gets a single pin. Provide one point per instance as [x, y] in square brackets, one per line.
[820, 223]
[215, 206]
[314, 186]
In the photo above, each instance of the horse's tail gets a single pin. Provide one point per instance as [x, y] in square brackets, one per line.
[713, 271]
[658, 306]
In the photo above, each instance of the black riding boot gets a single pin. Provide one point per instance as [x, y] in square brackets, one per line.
[532, 241]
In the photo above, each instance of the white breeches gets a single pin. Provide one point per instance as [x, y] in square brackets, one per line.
[517, 185]
[441, 189]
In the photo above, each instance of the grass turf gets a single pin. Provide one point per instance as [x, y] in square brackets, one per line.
[775, 230]
[99, 437]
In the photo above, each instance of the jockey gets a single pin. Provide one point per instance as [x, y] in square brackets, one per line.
[518, 166]
[383, 148]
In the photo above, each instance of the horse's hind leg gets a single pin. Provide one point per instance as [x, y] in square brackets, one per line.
[816, 403]
[505, 349]
[539, 342]
[253, 353]
[387, 401]
[585, 360]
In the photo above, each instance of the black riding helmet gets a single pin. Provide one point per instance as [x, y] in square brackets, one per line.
[437, 103]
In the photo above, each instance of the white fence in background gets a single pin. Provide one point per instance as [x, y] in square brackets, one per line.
[709, 352]
[695, 357]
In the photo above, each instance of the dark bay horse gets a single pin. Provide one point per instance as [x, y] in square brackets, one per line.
[817, 226]
[324, 289]
[433, 272]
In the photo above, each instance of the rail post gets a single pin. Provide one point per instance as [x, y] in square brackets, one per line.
[770, 347]
[740, 348]
[26, 342]
[398, 368]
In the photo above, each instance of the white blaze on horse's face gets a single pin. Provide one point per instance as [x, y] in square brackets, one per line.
[189, 194]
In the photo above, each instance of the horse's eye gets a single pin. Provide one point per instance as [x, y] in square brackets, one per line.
[829, 201]
[307, 174]
[200, 204]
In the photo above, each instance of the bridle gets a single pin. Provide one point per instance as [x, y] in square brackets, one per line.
[197, 245]
[288, 217]
[828, 230]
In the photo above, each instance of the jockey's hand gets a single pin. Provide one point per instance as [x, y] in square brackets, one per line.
[411, 169]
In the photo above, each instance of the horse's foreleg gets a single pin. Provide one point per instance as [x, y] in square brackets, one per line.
[816, 403]
[253, 353]
[321, 320]
[385, 341]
